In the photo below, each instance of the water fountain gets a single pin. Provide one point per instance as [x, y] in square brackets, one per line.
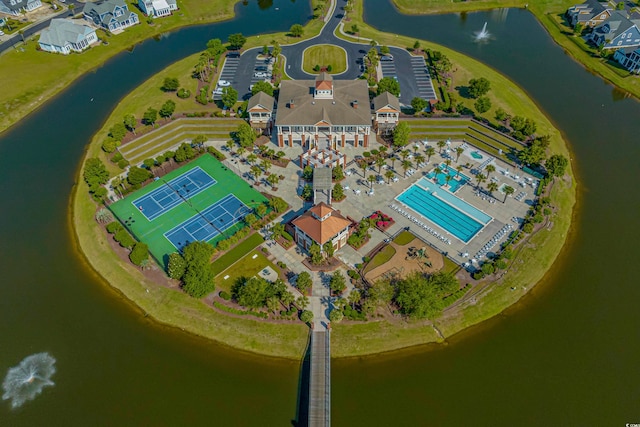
[25, 381]
[483, 34]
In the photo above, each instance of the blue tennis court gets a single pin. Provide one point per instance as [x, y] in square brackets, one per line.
[206, 225]
[173, 192]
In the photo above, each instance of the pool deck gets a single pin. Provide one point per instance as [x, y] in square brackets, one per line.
[359, 206]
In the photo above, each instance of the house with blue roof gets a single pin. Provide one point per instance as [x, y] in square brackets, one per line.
[590, 14]
[16, 7]
[629, 58]
[65, 36]
[617, 32]
[158, 8]
[112, 15]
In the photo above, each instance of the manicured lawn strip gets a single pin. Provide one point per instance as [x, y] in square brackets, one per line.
[404, 238]
[170, 306]
[226, 260]
[247, 266]
[450, 266]
[324, 55]
[383, 256]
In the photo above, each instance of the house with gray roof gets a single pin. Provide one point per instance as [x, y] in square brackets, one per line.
[617, 32]
[111, 15]
[157, 8]
[65, 36]
[323, 112]
[590, 14]
[15, 7]
[260, 108]
[386, 107]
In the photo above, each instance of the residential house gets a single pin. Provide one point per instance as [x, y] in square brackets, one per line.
[157, 8]
[617, 32]
[111, 15]
[323, 112]
[319, 225]
[590, 14]
[386, 107]
[260, 108]
[65, 36]
[629, 58]
[15, 7]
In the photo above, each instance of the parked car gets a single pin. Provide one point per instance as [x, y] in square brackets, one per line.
[224, 83]
[386, 58]
[260, 75]
[233, 55]
[217, 91]
[1, 33]
[261, 68]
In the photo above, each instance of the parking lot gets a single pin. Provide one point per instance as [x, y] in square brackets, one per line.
[243, 72]
[411, 72]
[423, 79]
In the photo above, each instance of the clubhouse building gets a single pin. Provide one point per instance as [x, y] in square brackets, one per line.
[321, 224]
[323, 113]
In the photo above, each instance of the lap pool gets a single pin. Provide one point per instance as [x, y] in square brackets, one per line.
[444, 209]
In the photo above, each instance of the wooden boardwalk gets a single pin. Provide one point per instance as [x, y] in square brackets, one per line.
[320, 379]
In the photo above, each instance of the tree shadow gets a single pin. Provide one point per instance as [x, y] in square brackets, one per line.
[302, 405]
[464, 91]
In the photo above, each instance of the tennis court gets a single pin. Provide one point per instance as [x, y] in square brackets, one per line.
[207, 224]
[217, 198]
[173, 193]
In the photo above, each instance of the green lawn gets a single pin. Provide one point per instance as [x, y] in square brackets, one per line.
[158, 141]
[248, 266]
[404, 238]
[383, 256]
[225, 261]
[325, 55]
[152, 232]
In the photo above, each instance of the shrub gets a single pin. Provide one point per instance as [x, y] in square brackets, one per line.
[287, 236]
[336, 316]
[527, 227]
[176, 266]
[215, 153]
[306, 316]
[123, 163]
[124, 238]
[366, 259]
[114, 227]
[501, 264]
[353, 314]
[183, 93]
[225, 295]
[116, 157]
[478, 275]
[139, 253]
[109, 145]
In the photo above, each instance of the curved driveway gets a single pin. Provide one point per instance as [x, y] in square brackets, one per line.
[294, 52]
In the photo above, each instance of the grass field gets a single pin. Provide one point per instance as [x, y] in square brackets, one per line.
[248, 266]
[325, 55]
[152, 232]
[172, 134]
[233, 255]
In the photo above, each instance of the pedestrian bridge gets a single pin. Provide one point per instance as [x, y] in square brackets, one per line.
[320, 379]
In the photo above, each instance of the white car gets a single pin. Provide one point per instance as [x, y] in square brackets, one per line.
[224, 83]
[1, 33]
[217, 91]
[260, 75]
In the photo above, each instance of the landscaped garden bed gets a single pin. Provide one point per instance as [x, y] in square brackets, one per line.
[382, 221]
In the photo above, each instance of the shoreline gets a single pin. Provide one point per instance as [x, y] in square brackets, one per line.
[369, 339]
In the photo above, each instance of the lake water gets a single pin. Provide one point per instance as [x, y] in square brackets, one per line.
[565, 356]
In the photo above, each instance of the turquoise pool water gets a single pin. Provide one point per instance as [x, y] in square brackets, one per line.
[476, 155]
[456, 181]
[444, 209]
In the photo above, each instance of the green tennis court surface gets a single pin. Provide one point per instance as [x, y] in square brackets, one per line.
[195, 216]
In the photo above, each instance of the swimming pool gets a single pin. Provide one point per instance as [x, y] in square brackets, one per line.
[456, 181]
[444, 209]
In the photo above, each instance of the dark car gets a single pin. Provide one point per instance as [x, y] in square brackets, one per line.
[233, 55]
[261, 68]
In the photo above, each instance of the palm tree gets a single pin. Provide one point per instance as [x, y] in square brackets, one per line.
[458, 169]
[430, 151]
[256, 172]
[371, 180]
[380, 162]
[490, 169]
[419, 158]
[389, 174]
[103, 216]
[447, 178]
[480, 178]
[441, 145]
[492, 186]
[252, 158]
[265, 164]
[230, 145]
[437, 171]
[363, 165]
[21, 32]
[447, 162]
[508, 190]
[71, 8]
[406, 164]
[383, 151]
[404, 154]
[393, 161]
[459, 151]
[240, 151]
